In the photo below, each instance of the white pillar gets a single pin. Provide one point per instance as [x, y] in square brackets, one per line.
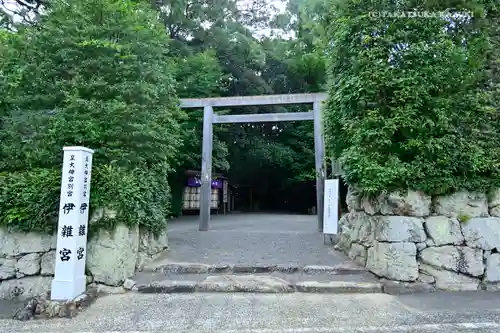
[69, 278]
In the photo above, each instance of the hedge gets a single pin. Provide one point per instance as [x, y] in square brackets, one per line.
[409, 105]
[91, 73]
[29, 200]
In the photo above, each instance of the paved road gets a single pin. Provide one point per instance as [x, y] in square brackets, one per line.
[249, 239]
[280, 313]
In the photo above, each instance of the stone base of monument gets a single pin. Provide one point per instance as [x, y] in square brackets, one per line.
[42, 307]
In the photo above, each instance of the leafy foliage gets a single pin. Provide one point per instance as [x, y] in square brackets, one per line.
[406, 106]
[111, 84]
[198, 75]
[29, 200]
[107, 85]
[224, 58]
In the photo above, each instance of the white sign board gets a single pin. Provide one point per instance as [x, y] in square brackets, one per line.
[224, 191]
[69, 278]
[331, 210]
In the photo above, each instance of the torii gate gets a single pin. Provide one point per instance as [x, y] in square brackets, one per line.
[209, 118]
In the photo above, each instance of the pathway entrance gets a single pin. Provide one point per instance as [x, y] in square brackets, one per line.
[210, 118]
[252, 253]
[252, 239]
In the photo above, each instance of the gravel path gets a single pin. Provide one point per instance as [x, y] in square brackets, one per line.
[251, 239]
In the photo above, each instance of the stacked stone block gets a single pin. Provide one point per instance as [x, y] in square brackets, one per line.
[446, 242]
[27, 260]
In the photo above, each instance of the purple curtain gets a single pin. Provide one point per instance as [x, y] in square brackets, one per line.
[196, 182]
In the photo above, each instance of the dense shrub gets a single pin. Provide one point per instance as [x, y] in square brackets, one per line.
[140, 196]
[29, 200]
[91, 73]
[408, 106]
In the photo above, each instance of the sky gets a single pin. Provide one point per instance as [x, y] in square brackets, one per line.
[280, 6]
[9, 4]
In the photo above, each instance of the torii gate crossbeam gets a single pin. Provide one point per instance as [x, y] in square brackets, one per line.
[209, 118]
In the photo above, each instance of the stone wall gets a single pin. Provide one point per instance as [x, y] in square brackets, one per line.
[27, 260]
[447, 242]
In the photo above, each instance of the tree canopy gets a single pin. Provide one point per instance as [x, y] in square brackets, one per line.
[107, 75]
[409, 105]
[412, 101]
[89, 73]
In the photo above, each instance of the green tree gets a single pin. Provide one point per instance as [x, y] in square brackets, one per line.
[92, 73]
[406, 106]
[279, 154]
[210, 54]
[197, 76]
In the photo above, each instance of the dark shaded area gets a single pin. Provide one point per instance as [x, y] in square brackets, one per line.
[298, 197]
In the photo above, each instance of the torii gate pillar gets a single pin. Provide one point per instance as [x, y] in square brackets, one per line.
[206, 168]
[319, 157]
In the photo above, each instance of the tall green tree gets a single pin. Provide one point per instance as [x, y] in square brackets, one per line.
[407, 108]
[213, 51]
[92, 73]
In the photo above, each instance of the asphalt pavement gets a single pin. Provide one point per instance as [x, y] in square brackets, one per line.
[267, 239]
[279, 313]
